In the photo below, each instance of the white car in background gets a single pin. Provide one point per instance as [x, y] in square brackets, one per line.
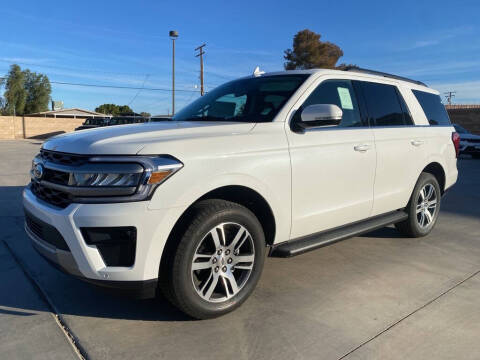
[286, 162]
[469, 143]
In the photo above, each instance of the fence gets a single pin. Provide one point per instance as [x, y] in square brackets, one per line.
[460, 106]
[24, 127]
[469, 118]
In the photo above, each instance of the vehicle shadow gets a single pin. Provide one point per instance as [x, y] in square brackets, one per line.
[46, 135]
[69, 295]
[386, 232]
[74, 297]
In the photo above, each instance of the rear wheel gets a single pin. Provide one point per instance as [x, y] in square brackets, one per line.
[218, 261]
[423, 207]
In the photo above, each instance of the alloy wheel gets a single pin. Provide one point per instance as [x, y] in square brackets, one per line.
[223, 262]
[426, 205]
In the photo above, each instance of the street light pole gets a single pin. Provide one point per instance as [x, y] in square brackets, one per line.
[173, 35]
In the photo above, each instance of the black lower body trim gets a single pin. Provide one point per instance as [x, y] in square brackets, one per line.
[144, 289]
[311, 242]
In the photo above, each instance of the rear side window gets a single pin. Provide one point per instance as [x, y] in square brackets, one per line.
[432, 107]
[384, 104]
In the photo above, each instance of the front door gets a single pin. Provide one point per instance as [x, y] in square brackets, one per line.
[333, 167]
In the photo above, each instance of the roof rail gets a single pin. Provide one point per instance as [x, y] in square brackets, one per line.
[379, 73]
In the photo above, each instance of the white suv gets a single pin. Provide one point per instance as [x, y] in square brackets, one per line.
[287, 161]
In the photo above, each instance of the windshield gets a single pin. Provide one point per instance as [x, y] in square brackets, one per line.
[256, 99]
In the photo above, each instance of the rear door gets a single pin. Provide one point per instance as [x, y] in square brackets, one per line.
[399, 145]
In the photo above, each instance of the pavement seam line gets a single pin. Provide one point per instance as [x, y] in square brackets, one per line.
[410, 314]
[71, 338]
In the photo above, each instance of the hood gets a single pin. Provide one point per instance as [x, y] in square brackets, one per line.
[130, 139]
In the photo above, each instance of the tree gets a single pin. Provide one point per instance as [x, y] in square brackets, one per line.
[25, 92]
[145, 114]
[310, 52]
[38, 92]
[115, 110]
[15, 93]
[125, 110]
[2, 106]
[344, 66]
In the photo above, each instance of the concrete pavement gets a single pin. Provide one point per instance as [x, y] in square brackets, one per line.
[372, 297]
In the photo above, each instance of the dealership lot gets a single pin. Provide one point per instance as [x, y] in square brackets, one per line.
[376, 296]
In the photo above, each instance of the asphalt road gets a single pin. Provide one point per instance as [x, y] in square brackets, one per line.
[378, 296]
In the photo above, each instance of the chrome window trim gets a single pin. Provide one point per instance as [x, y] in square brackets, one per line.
[336, 127]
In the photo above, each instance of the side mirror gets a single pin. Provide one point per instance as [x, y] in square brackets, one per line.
[320, 115]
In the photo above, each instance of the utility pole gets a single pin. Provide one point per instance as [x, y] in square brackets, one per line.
[449, 95]
[173, 35]
[200, 54]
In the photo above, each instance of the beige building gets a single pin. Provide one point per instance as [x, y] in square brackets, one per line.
[74, 113]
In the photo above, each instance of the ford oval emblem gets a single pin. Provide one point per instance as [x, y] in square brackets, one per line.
[38, 171]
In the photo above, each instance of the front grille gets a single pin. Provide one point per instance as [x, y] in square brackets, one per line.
[474, 140]
[57, 177]
[62, 158]
[55, 197]
[45, 232]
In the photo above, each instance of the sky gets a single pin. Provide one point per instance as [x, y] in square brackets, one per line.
[126, 44]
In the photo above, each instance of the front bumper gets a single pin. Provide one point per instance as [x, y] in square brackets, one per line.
[85, 261]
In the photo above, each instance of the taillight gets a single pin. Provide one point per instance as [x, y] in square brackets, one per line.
[456, 142]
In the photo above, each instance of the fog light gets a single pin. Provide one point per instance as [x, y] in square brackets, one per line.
[116, 245]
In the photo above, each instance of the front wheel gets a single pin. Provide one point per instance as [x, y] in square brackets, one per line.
[423, 207]
[218, 260]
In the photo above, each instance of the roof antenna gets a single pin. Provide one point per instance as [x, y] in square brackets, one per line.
[257, 72]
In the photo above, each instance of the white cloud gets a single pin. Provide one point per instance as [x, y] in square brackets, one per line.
[438, 37]
[436, 68]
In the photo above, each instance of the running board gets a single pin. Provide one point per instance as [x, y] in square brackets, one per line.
[311, 242]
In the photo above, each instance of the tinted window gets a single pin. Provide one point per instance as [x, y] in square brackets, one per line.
[432, 107]
[254, 99]
[340, 93]
[383, 104]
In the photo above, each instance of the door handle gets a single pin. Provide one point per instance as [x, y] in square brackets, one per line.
[417, 142]
[362, 147]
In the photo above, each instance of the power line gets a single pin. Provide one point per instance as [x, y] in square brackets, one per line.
[138, 92]
[119, 87]
[115, 86]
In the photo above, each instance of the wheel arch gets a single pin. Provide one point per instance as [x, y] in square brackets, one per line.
[240, 194]
[437, 170]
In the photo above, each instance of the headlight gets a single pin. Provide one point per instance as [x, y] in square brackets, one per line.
[160, 169]
[89, 179]
[106, 178]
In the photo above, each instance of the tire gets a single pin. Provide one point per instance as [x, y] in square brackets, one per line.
[419, 223]
[194, 291]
